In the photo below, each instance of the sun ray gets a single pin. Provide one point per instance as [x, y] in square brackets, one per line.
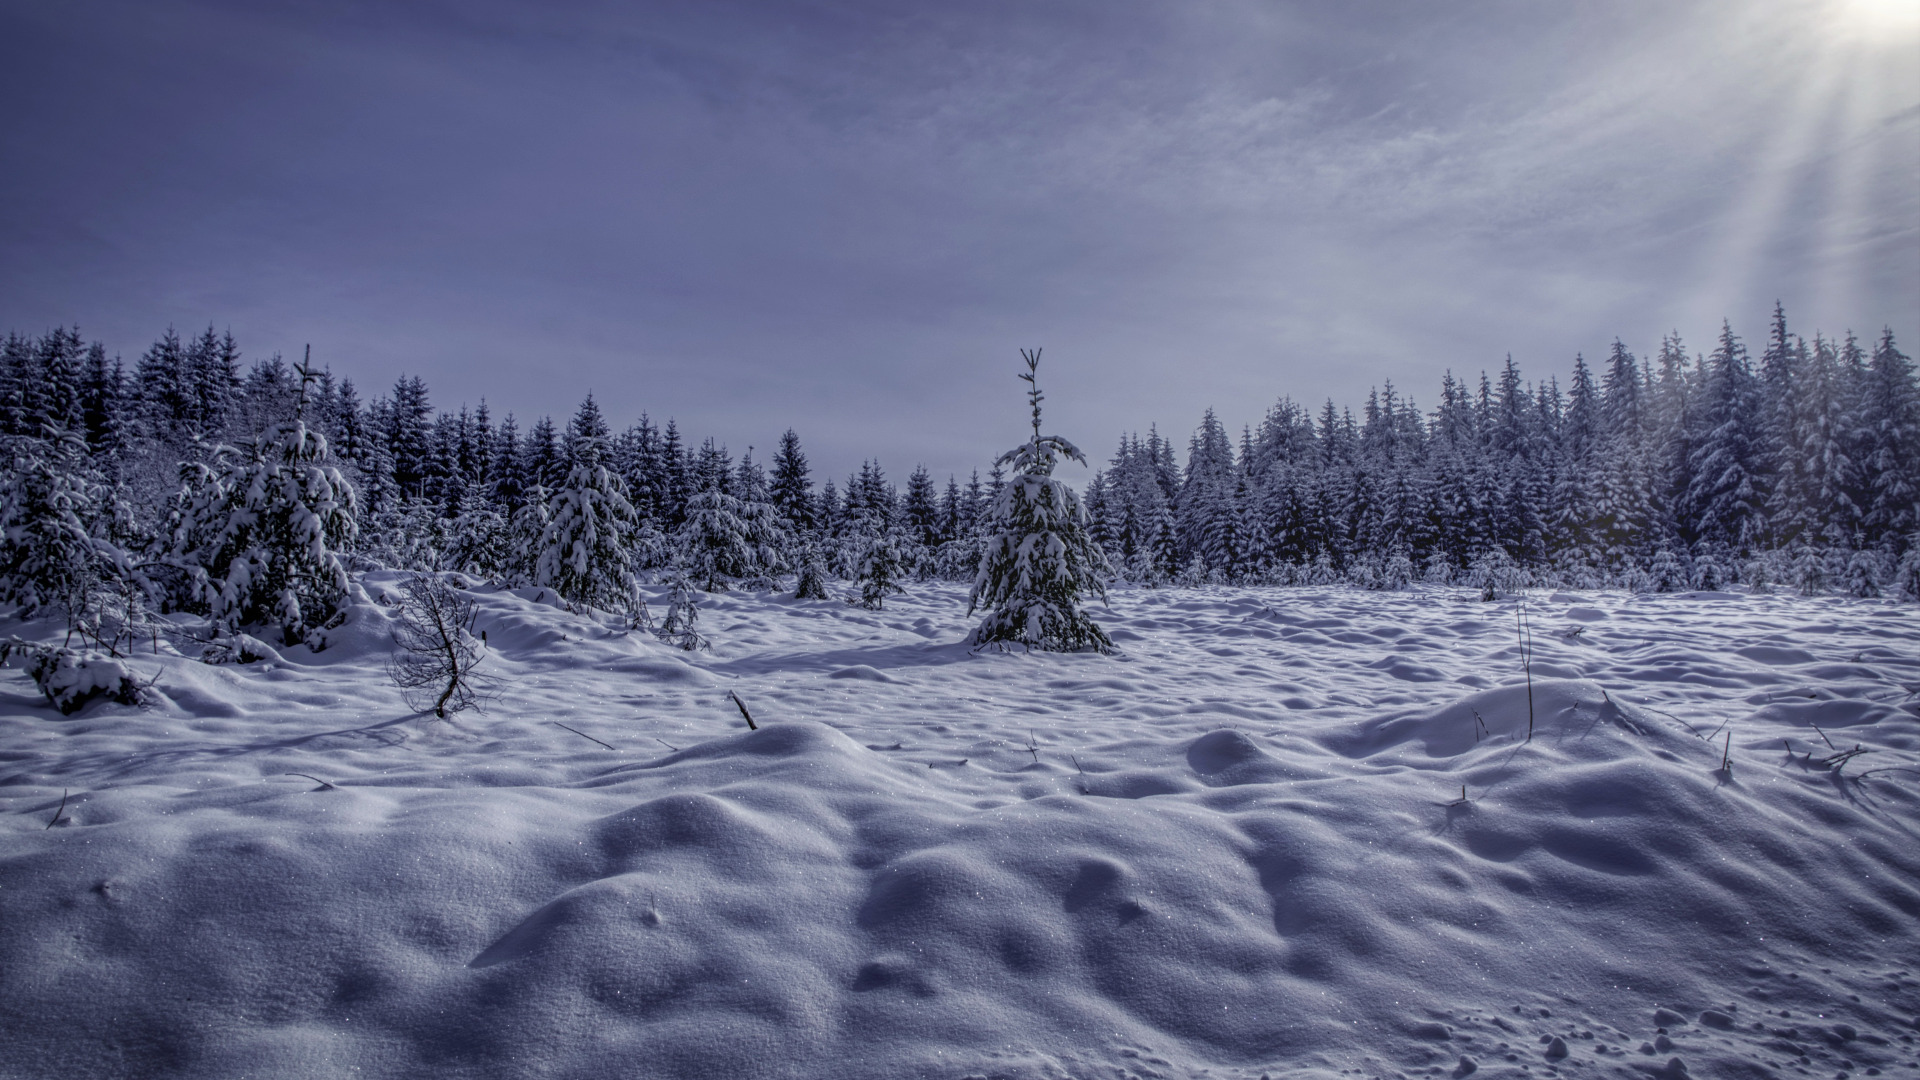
[1757, 210]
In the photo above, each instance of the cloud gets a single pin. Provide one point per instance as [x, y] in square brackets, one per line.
[846, 217]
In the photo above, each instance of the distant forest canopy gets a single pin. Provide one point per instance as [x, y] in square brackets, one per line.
[1679, 471]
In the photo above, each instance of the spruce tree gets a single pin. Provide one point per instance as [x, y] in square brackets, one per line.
[53, 520]
[1039, 561]
[880, 569]
[791, 491]
[1890, 437]
[586, 550]
[264, 538]
[727, 539]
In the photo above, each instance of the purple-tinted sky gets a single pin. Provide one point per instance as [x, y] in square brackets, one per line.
[847, 217]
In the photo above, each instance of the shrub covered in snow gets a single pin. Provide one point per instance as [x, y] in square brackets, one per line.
[1039, 560]
[71, 677]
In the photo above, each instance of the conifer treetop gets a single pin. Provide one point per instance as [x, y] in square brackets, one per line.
[1036, 456]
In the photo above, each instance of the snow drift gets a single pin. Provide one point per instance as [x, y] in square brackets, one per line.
[1239, 847]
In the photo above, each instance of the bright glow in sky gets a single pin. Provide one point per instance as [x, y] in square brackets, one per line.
[1899, 18]
[847, 217]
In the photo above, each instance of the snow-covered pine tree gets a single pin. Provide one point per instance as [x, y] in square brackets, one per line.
[264, 538]
[1906, 577]
[881, 567]
[52, 549]
[528, 528]
[681, 626]
[479, 537]
[812, 584]
[1890, 438]
[1039, 560]
[791, 490]
[586, 550]
[727, 539]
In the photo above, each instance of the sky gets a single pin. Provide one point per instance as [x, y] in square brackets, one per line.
[847, 218]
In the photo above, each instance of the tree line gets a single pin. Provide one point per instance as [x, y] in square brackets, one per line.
[1688, 471]
[209, 483]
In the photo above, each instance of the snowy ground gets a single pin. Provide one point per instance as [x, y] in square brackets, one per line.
[1234, 850]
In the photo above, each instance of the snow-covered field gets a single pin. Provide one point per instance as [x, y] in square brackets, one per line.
[1239, 848]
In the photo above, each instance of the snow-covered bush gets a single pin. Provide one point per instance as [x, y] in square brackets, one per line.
[262, 540]
[437, 649]
[880, 572]
[72, 677]
[1039, 560]
[586, 550]
[236, 649]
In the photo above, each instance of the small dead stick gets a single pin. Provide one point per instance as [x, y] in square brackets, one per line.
[1726, 755]
[666, 744]
[1824, 739]
[1033, 746]
[1462, 800]
[324, 786]
[1082, 772]
[742, 706]
[1480, 726]
[61, 810]
[582, 734]
[1525, 633]
[1838, 760]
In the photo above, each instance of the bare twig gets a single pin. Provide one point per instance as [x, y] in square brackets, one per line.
[666, 744]
[1823, 738]
[1480, 726]
[751, 726]
[1033, 746]
[1525, 634]
[1838, 761]
[1691, 730]
[58, 812]
[1726, 755]
[324, 786]
[580, 733]
[1462, 800]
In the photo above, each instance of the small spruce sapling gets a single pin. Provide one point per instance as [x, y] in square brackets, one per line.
[1039, 559]
[437, 649]
[681, 626]
[812, 583]
[263, 541]
[586, 549]
[881, 567]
